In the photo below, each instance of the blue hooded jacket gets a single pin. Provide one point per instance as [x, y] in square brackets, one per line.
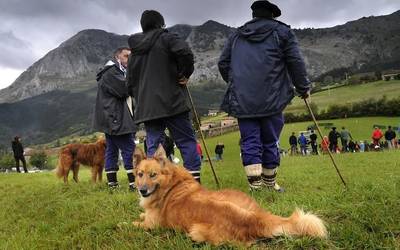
[261, 62]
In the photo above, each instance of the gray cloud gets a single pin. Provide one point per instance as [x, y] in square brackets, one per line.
[14, 52]
[41, 25]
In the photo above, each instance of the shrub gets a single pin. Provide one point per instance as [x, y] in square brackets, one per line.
[39, 160]
[6, 161]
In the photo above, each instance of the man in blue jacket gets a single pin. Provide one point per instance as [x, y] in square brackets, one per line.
[262, 63]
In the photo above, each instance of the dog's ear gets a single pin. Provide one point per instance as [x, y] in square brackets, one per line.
[138, 156]
[160, 154]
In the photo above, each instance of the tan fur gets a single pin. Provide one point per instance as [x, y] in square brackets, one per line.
[179, 202]
[72, 155]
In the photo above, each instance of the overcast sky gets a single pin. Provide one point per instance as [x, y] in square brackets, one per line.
[31, 28]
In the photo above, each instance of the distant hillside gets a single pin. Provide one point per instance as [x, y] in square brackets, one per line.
[356, 44]
[347, 95]
[47, 117]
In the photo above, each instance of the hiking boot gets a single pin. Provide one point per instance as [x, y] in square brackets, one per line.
[255, 183]
[276, 188]
[132, 188]
[253, 173]
[113, 186]
[268, 177]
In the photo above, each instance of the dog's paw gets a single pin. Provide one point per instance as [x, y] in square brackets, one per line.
[138, 224]
[122, 225]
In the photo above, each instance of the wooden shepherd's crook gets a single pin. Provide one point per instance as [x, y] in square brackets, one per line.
[202, 136]
[322, 138]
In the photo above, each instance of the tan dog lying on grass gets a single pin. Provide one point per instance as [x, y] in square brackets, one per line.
[171, 198]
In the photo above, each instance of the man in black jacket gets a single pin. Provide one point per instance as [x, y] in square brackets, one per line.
[114, 117]
[313, 142]
[293, 144]
[333, 140]
[18, 150]
[390, 136]
[159, 68]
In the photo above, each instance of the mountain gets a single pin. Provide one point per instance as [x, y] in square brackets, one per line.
[73, 62]
[61, 85]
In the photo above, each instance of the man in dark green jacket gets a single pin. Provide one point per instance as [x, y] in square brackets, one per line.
[159, 68]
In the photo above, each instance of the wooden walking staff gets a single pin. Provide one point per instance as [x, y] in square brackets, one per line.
[320, 134]
[202, 137]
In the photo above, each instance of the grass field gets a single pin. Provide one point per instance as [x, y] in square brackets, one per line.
[348, 94]
[39, 212]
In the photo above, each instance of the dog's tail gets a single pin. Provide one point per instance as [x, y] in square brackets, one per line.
[60, 172]
[63, 160]
[299, 223]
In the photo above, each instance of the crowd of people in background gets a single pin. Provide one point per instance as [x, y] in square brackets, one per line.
[306, 145]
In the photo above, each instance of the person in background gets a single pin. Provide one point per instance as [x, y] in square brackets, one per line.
[219, 151]
[351, 146]
[145, 145]
[325, 145]
[345, 136]
[376, 137]
[168, 146]
[362, 146]
[313, 142]
[303, 144]
[333, 140]
[390, 137]
[293, 144]
[357, 146]
[262, 63]
[18, 151]
[199, 150]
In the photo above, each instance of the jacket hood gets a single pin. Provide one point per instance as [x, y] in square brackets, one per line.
[257, 29]
[141, 43]
[102, 70]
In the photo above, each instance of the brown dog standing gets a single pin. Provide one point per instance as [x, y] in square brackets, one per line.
[171, 198]
[72, 155]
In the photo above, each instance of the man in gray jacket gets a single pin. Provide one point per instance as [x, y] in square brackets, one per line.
[114, 117]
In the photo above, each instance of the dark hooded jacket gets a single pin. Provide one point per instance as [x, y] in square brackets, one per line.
[17, 148]
[112, 115]
[261, 62]
[158, 60]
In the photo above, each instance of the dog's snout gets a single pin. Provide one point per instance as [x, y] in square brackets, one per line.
[143, 191]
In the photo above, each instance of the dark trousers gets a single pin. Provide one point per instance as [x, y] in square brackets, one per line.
[260, 138]
[345, 146]
[115, 143]
[314, 147]
[183, 135]
[333, 147]
[22, 159]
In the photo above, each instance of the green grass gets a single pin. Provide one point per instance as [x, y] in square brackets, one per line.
[347, 95]
[39, 212]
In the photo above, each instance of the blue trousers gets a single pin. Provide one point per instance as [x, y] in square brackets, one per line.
[183, 135]
[259, 140]
[115, 143]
